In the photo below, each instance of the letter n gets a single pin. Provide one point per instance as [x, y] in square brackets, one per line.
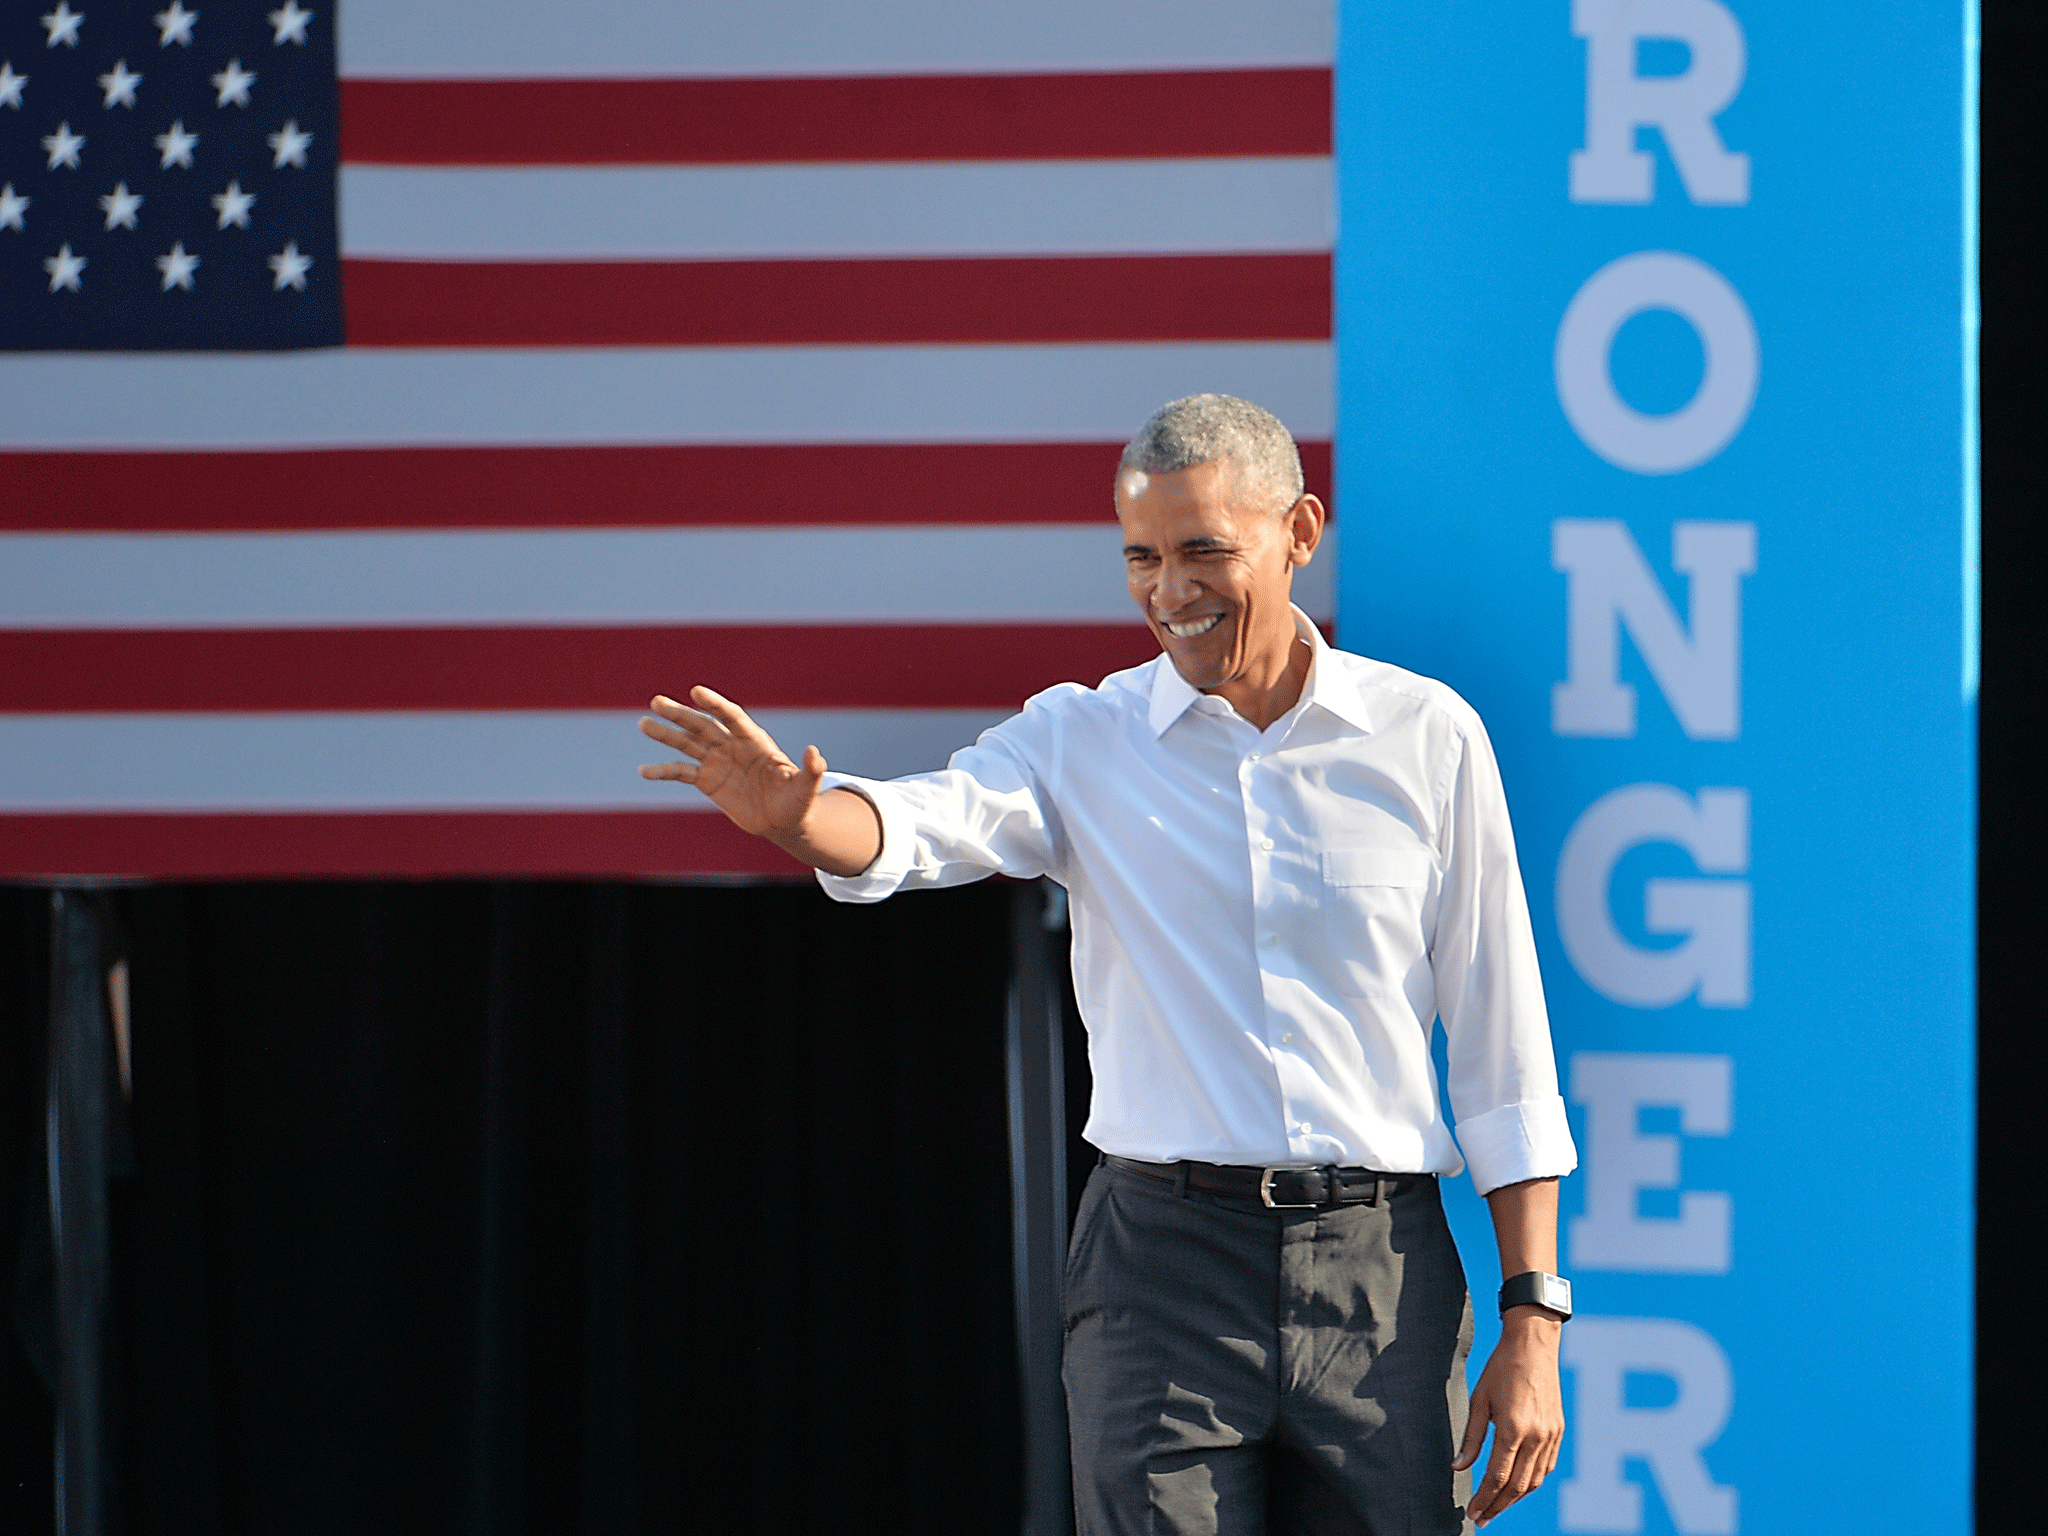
[1697, 664]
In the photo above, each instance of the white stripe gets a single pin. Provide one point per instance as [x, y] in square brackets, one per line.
[1047, 573]
[374, 397]
[810, 575]
[510, 39]
[725, 212]
[542, 759]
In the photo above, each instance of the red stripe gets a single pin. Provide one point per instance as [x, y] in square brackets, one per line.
[827, 666]
[937, 117]
[875, 483]
[416, 845]
[820, 303]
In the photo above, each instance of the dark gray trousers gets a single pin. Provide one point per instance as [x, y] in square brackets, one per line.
[1237, 1371]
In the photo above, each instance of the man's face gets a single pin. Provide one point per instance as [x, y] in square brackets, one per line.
[1212, 571]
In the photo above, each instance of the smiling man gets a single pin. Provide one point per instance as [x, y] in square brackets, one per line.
[1286, 864]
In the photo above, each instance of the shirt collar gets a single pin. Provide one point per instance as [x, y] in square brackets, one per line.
[1329, 685]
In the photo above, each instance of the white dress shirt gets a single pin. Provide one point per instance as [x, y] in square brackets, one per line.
[1266, 924]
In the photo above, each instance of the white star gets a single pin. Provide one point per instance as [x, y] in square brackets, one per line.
[176, 145]
[63, 147]
[12, 206]
[176, 25]
[233, 84]
[10, 85]
[177, 265]
[63, 23]
[64, 268]
[290, 145]
[120, 85]
[233, 206]
[290, 23]
[120, 205]
[289, 266]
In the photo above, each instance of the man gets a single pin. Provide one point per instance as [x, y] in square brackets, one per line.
[1285, 863]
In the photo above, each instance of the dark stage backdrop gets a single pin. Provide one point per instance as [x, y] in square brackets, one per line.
[2012, 839]
[545, 1208]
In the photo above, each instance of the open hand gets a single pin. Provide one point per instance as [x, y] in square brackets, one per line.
[735, 763]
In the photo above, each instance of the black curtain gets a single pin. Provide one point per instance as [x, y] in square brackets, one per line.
[546, 1208]
[26, 1410]
[2012, 743]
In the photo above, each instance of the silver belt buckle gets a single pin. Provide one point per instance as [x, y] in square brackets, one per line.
[1266, 1193]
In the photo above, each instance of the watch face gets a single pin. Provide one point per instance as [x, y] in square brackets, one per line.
[1554, 1292]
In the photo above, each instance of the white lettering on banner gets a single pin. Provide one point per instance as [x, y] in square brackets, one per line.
[1602, 1352]
[1682, 107]
[1621, 1162]
[1698, 665]
[1694, 655]
[1622, 435]
[1712, 915]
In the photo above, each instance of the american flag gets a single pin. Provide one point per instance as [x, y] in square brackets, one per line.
[394, 396]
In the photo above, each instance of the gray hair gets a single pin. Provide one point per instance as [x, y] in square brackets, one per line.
[1200, 429]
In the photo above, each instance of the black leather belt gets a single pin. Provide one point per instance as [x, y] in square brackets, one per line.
[1276, 1188]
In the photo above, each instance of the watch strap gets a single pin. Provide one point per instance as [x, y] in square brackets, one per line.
[1535, 1287]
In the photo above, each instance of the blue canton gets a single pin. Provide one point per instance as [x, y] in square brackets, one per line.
[167, 175]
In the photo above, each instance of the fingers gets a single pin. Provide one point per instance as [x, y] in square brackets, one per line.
[1475, 1430]
[701, 731]
[694, 721]
[1516, 1468]
[692, 730]
[685, 716]
[814, 763]
[669, 736]
[729, 715]
[1492, 1492]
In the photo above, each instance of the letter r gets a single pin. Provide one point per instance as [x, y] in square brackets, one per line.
[1601, 1353]
[1682, 107]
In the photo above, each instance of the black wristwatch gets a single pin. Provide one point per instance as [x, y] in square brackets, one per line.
[1551, 1291]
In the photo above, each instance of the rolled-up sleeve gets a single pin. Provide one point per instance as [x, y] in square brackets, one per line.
[899, 840]
[985, 813]
[1510, 1120]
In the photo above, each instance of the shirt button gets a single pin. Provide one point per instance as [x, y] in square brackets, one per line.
[1304, 1127]
[1272, 939]
[1253, 758]
[1288, 1038]
[1266, 843]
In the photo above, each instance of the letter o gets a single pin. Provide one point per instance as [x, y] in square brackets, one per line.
[1609, 425]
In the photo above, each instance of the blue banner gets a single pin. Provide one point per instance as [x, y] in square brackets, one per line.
[1656, 441]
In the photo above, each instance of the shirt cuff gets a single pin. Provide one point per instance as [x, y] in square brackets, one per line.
[899, 842]
[1531, 1140]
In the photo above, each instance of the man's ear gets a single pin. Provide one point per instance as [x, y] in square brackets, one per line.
[1300, 549]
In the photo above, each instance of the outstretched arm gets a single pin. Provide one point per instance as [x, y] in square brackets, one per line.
[745, 774]
[1518, 1391]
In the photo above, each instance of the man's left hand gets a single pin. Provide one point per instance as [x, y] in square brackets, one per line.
[1518, 1395]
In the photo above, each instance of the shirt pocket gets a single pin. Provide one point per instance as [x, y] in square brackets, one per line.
[1374, 901]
